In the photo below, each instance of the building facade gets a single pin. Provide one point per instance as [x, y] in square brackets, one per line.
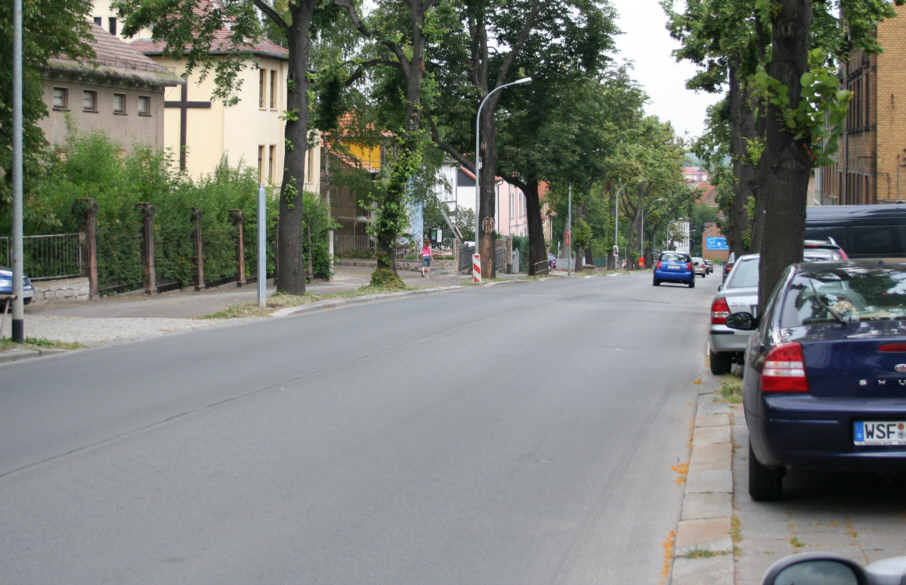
[119, 93]
[201, 131]
[870, 164]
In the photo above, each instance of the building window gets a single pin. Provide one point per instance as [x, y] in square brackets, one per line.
[119, 103]
[271, 163]
[112, 27]
[97, 20]
[144, 105]
[260, 163]
[60, 98]
[273, 89]
[89, 101]
[262, 88]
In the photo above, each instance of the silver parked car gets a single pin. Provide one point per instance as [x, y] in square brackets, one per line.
[739, 293]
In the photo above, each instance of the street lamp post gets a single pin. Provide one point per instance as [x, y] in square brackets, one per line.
[478, 154]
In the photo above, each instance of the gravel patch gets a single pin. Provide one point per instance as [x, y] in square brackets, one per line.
[101, 331]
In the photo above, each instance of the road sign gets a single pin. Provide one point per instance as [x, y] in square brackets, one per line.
[568, 239]
[716, 243]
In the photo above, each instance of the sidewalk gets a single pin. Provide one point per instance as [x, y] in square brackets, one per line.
[136, 316]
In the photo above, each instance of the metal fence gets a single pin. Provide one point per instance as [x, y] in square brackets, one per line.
[46, 256]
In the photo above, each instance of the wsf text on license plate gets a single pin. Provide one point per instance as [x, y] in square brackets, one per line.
[879, 432]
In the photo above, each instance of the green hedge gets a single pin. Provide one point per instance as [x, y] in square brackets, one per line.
[93, 166]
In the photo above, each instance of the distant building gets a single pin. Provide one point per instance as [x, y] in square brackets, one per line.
[119, 93]
[870, 164]
[695, 176]
[714, 244]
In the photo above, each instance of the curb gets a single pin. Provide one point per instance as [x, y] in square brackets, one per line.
[13, 355]
[332, 303]
[703, 549]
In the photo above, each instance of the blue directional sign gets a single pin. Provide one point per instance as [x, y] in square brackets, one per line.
[716, 243]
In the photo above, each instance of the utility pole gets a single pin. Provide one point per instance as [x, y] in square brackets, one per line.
[569, 233]
[18, 328]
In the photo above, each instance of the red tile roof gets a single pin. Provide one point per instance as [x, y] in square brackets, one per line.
[116, 58]
[221, 45]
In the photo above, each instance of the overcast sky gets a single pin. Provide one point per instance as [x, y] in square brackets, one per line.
[648, 45]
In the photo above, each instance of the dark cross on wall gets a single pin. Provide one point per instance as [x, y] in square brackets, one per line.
[184, 104]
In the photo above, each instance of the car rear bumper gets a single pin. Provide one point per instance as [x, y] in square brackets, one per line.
[806, 431]
[674, 275]
[723, 339]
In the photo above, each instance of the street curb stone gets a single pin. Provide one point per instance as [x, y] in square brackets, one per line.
[707, 510]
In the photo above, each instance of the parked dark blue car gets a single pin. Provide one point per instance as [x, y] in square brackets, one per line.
[674, 267]
[824, 381]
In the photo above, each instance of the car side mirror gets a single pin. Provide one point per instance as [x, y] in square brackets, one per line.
[742, 321]
[815, 569]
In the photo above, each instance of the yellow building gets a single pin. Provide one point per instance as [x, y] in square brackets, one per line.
[202, 131]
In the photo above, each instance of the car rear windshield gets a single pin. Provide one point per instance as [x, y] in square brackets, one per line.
[745, 274]
[674, 257]
[845, 294]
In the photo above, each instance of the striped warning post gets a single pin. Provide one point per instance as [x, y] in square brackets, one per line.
[476, 268]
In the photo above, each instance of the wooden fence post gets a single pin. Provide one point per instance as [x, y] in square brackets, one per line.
[86, 209]
[197, 214]
[148, 247]
[238, 217]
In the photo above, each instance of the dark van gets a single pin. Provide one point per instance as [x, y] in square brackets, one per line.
[863, 231]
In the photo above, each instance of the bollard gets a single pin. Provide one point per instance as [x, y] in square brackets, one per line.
[197, 214]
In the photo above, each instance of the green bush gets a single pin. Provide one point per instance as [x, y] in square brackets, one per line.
[92, 165]
[521, 243]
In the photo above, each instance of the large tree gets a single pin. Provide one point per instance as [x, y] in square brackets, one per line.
[791, 81]
[400, 34]
[506, 40]
[51, 28]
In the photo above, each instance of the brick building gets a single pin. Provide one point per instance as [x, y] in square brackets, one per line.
[870, 164]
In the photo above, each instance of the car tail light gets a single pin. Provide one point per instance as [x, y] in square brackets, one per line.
[689, 266]
[893, 348]
[843, 254]
[784, 369]
[658, 265]
[720, 310]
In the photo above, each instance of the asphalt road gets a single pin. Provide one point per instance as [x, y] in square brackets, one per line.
[518, 434]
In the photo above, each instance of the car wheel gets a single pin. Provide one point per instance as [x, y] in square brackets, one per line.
[656, 282]
[692, 283]
[720, 363]
[765, 483]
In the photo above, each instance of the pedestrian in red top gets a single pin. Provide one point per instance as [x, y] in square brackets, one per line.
[426, 259]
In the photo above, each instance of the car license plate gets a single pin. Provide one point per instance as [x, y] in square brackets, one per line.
[674, 268]
[879, 432]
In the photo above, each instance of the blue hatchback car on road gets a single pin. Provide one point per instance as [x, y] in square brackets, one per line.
[824, 382]
[674, 267]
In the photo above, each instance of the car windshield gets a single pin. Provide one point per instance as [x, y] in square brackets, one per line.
[845, 294]
[745, 274]
[674, 257]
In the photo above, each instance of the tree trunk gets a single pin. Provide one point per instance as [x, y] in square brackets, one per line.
[291, 275]
[786, 160]
[487, 198]
[537, 248]
[742, 127]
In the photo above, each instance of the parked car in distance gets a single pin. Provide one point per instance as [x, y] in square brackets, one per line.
[674, 267]
[824, 372]
[709, 266]
[825, 249]
[699, 267]
[6, 287]
[738, 293]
